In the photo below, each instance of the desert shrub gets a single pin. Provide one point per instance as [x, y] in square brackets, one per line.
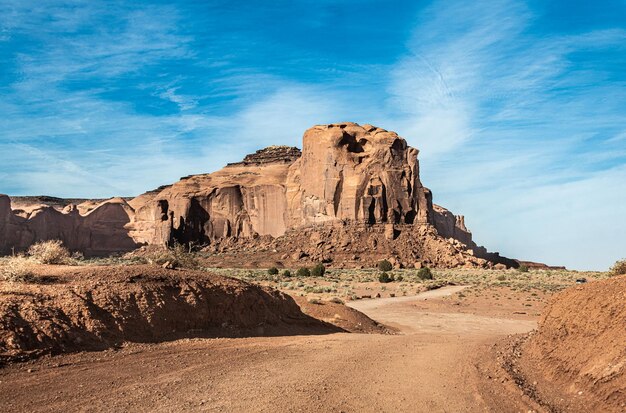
[16, 269]
[399, 278]
[315, 301]
[286, 274]
[501, 277]
[183, 256]
[385, 265]
[384, 278]
[78, 256]
[336, 300]
[176, 256]
[522, 268]
[303, 272]
[272, 271]
[49, 252]
[619, 268]
[425, 274]
[318, 270]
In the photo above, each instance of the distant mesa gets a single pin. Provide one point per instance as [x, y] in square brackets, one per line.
[352, 191]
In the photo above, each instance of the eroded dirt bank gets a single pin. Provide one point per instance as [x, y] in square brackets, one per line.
[94, 308]
[576, 361]
[429, 367]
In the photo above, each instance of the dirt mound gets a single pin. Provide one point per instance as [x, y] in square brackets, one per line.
[340, 315]
[578, 354]
[93, 308]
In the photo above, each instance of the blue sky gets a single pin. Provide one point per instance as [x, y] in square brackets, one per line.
[518, 108]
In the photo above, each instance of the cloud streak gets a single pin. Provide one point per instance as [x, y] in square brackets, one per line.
[510, 133]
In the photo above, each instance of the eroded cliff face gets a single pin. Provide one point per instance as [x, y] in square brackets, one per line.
[347, 175]
[237, 201]
[101, 231]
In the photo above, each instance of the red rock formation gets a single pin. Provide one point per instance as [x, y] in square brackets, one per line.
[101, 231]
[451, 226]
[348, 175]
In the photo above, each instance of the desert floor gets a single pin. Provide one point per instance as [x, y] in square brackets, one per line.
[442, 359]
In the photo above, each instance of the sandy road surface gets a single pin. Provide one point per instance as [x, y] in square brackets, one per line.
[428, 367]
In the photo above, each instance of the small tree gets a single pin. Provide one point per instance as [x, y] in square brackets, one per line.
[385, 265]
[286, 273]
[272, 271]
[318, 270]
[385, 278]
[303, 272]
[425, 274]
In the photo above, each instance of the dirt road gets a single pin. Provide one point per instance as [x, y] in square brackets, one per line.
[428, 367]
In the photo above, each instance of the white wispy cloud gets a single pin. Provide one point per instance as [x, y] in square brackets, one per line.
[506, 125]
[183, 102]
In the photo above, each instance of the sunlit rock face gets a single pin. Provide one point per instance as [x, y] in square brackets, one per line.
[241, 200]
[359, 173]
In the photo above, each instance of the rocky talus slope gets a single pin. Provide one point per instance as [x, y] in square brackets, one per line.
[356, 187]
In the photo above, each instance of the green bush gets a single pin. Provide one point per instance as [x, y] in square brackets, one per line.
[385, 278]
[619, 268]
[303, 272]
[522, 268]
[318, 270]
[385, 265]
[272, 271]
[425, 274]
[286, 273]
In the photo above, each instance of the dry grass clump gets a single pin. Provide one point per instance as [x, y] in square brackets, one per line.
[619, 268]
[49, 252]
[16, 269]
[177, 256]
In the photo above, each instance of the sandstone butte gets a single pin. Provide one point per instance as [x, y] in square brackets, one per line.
[357, 186]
